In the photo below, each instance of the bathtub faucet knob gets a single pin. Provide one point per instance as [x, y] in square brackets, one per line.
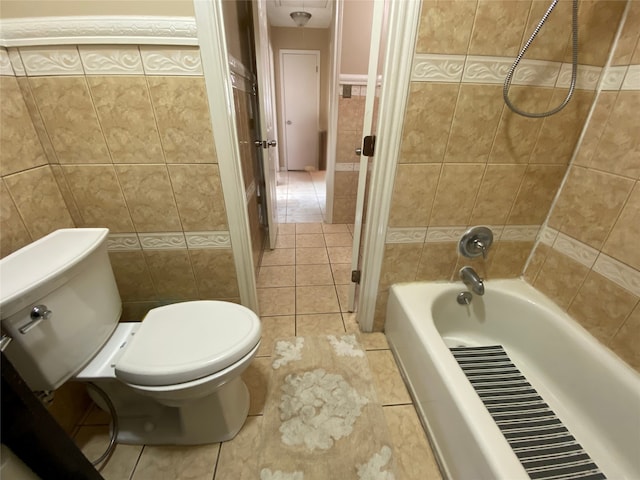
[472, 280]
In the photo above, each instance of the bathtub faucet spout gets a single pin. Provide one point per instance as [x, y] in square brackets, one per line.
[472, 280]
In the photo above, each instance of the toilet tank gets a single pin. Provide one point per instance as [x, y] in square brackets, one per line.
[69, 274]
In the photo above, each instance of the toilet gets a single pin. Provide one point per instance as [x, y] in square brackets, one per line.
[172, 379]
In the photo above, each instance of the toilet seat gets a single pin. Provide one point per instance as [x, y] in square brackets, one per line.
[186, 341]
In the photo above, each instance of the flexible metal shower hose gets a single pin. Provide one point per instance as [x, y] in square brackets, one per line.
[574, 65]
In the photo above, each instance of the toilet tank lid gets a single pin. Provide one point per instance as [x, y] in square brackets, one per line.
[185, 341]
[44, 260]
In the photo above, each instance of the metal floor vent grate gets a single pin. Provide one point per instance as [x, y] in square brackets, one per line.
[544, 446]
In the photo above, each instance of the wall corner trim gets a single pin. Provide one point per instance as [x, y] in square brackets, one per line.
[92, 30]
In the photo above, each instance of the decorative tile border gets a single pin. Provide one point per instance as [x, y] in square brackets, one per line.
[106, 60]
[518, 233]
[619, 273]
[162, 241]
[576, 250]
[406, 235]
[123, 242]
[5, 63]
[548, 235]
[632, 78]
[197, 240]
[437, 68]
[444, 234]
[129, 242]
[111, 60]
[171, 60]
[613, 78]
[493, 70]
[91, 30]
[51, 60]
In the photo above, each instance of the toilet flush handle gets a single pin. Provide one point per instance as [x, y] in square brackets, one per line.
[37, 315]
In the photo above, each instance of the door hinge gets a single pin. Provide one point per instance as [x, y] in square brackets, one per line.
[369, 145]
[355, 276]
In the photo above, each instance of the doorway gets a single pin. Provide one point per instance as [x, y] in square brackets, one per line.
[300, 97]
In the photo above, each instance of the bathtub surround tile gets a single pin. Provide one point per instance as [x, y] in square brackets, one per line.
[601, 318]
[594, 21]
[475, 121]
[21, 148]
[70, 119]
[162, 241]
[215, 273]
[182, 113]
[497, 193]
[445, 26]
[277, 276]
[132, 276]
[628, 37]
[560, 278]
[444, 234]
[437, 261]
[274, 328]
[5, 63]
[316, 299]
[560, 132]
[509, 259]
[585, 216]
[126, 116]
[426, 131]
[319, 324]
[406, 235]
[400, 263]
[612, 78]
[618, 150]
[51, 60]
[535, 262]
[149, 195]
[619, 273]
[14, 232]
[42, 209]
[387, 379]
[621, 242]
[313, 275]
[587, 77]
[625, 341]
[632, 78]
[455, 197]
[429, 67]
[93, 441]
[537, 191]
[238, 458]
[193, 462]
[557, 31]
[198, 191]
[414, 457]
[413, 193]
[498, 27]
[172, 275]
[97, 192]
[595, 128]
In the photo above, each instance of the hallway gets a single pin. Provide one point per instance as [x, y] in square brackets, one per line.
[301, 197]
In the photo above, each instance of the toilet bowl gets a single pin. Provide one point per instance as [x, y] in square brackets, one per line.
[173, 378]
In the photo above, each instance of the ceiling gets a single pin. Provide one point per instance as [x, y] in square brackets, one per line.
[321, 10]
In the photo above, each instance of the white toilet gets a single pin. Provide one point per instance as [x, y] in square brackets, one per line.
[173, 379]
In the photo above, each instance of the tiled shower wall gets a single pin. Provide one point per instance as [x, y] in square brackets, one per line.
[466, 159]
[588, 259]
[117, 137]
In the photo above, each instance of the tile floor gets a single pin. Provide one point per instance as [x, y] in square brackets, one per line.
[302, 288]
[302, 197]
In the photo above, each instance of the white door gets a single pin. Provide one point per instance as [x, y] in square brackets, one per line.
[300, 93]
[266, 108]
[368, 128]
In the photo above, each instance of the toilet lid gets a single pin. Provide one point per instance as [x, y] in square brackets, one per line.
[185, 341]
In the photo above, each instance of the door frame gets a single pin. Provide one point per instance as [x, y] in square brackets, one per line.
[282, 127]
[402, 30]
[217, 77]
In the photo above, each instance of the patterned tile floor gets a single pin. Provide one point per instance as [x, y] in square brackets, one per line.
[302, 287]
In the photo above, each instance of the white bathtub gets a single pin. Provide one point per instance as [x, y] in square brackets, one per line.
[594, 393]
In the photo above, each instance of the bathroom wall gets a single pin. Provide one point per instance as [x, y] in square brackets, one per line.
[465, 158]
[60, 8]
[118, 137]
[588, 260]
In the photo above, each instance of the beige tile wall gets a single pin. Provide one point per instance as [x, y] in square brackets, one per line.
[130, 148]
[590, 264]
[466, 159]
